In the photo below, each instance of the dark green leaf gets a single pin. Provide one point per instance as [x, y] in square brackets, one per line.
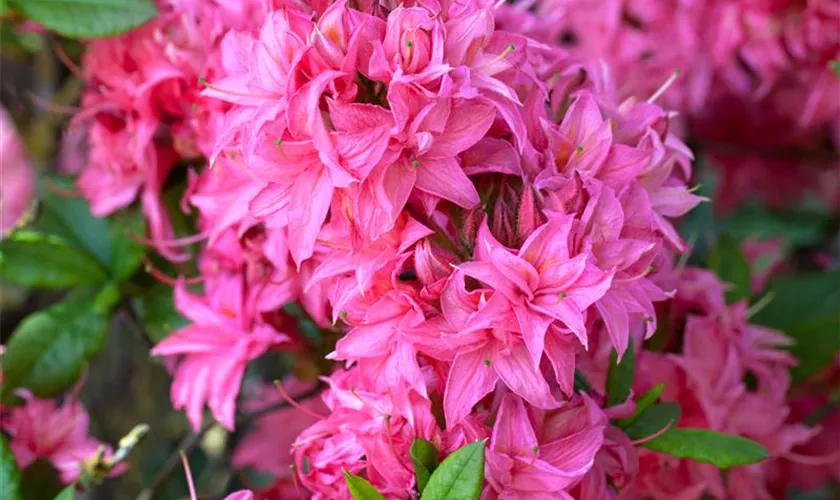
[70, 218]
[731, 266]
[581, 384]
[642, 404]
[798, 228]
[807, 308]
[460, 476]
[709, 447]
[360, 488]
[156, 312]
[41, 260]
[87, 18]
[40, 480]
[653, 420]
[620, 376]
[126, 254]
[9, 473]
[424, 456]
[107, 297]
[68, 493]
[48, 349]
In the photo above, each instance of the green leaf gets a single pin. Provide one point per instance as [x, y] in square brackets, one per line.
[9, 473]
[835, 65]
[126, 254]
[360, 488]
[701, 445]
[424, 456]
[87, 18]
[48, 349]
[731, 266]
[70, 218]
[156, 312]
[798, 228]
[642, 404]
[68, 493]
[653, 420]
[460, 476]
[620, 376]
[581, 384]
[40, 260]
[807, 308]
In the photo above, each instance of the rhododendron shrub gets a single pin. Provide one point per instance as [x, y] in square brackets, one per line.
[429, 250]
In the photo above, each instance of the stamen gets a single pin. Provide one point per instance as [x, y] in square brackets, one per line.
[654, 435]
[285, 395]
[760, 304]
[190, 484]
[661, 90]
[68, 193]
[811, 460]
[492, 62]
[203, 81]
[295, 482]
[62, 56]
[168, 280]
[52, 106]
[176, 242]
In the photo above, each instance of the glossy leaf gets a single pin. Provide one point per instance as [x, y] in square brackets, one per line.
[732, 268]
[642, 404]
[460, 476]
[424, 456]
[68, 493]
[620, 376]
[708, 447]
[126, 253]
[156, 312]
[39, 260]
[653, 420]
[70, 218]
[360, 488]
[9, 473]
[47, 351]
[87, 18]
[805, 307]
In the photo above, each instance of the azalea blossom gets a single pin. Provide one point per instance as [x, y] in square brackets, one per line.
[42, 429]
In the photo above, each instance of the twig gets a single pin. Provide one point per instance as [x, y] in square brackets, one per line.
[191, 441]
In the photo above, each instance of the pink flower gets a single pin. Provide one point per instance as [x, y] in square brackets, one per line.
[479, 332]
[18, 178]
[40, 429]
[533, 453]
[223, 338]
[542, 282]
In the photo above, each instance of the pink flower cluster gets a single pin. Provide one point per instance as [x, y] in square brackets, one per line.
[755, 83]
[472, 212]
[463, 204]
[142, 110]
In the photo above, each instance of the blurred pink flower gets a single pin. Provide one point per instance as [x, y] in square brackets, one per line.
[58, 433]
[17, 177]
